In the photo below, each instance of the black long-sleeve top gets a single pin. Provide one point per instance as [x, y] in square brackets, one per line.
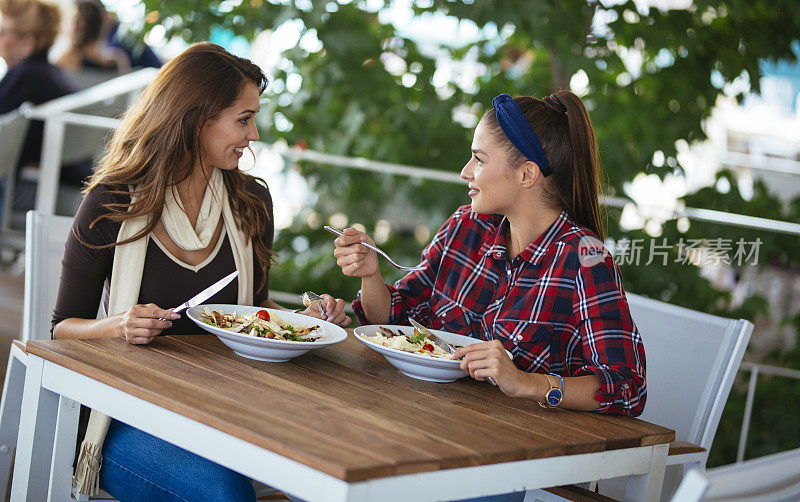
[86, 272]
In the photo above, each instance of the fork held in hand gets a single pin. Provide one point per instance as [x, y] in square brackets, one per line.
[374, 248]
[313, 297]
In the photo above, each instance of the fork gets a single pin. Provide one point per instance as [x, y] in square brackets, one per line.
[313, 297]
[374, 248]
[440, 342]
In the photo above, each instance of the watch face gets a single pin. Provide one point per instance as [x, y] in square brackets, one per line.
[554, 397]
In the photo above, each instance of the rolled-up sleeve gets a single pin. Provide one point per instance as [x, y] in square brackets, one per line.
[612, 346]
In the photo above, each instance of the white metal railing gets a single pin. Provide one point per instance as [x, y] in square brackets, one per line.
[692, 213]
[761, 163]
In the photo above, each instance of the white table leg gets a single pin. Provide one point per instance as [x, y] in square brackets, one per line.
[9, 413]
[648, 486]
[64, 450]
[36, 433]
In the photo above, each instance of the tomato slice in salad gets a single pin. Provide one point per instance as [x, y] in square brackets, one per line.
[428, 347]
[263, 315]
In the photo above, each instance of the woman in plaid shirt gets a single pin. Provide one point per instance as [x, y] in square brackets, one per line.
[523, 267]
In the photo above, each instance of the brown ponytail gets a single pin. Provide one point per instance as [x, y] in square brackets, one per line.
[565, 131]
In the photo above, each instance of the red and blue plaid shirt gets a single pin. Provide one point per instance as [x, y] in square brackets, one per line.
[549, 311]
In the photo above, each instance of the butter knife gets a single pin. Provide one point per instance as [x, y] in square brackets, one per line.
[206, 293]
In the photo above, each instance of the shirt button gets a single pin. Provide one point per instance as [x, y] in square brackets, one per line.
[441, 315]
[498, 255]
[508, 271]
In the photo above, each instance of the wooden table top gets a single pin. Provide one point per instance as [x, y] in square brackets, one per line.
[343, 409]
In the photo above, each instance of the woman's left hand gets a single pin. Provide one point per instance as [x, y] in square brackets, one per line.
[489, 359]
[333, 309]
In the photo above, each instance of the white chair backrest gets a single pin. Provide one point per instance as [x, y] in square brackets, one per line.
[45, 235]
[772, 478]
[13, 128]
[692, 359]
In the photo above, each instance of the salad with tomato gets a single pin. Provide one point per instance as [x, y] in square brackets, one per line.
[416, 343]
[261, 324]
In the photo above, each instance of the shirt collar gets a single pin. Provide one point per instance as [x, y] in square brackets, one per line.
[536, 249]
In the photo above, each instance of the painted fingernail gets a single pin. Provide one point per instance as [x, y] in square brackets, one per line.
[170, 324]
[174, 316]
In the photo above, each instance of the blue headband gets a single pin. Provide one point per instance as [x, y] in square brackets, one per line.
[519, 131]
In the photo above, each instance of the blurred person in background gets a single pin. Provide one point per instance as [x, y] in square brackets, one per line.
[88, 37]
[27, 31]
[139, 53]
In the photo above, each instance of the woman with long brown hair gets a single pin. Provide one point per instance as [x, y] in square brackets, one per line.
[523, 267]
[166, 214]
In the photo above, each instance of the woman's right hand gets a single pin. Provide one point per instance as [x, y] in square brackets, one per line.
[354, 259]
[141, 323]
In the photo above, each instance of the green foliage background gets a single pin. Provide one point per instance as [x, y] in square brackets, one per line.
[350, 104]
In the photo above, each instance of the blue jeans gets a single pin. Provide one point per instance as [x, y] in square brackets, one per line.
[140, 467]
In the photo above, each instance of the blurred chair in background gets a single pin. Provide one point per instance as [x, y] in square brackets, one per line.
[13, 128]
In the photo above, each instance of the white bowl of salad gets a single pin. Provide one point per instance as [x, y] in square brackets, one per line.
[265, 334]
[413, 354]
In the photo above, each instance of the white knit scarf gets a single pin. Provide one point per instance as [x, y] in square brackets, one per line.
[126, 280]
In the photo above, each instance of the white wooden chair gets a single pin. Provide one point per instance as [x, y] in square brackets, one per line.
[772, 478]
[44, 242]
[692, 360]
